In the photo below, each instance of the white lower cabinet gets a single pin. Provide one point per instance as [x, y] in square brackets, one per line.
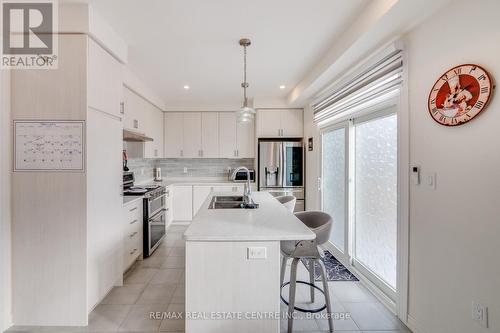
[133, 235]
[182, 203]
[200, 194]
[187, 200]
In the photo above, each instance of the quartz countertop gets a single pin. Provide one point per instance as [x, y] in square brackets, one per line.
[270, 222]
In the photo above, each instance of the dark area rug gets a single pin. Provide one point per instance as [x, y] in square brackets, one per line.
[335, 271]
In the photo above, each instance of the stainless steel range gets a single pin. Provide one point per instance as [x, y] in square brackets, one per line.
[154, 212]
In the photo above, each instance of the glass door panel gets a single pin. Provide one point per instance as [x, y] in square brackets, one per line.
[375, 183]
[333, 188]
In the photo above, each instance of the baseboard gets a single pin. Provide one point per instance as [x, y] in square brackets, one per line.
[414, 326]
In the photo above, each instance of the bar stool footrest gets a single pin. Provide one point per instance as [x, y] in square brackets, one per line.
[301, 309]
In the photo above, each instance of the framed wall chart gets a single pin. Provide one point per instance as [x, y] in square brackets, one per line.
[50, 145]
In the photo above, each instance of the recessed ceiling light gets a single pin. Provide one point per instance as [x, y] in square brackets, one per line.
[282, 87]
[186, 87]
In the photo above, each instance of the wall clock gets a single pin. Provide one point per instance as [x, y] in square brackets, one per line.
[460, 94]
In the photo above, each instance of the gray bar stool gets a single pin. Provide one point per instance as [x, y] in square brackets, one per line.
[288, 201]
[321, 224]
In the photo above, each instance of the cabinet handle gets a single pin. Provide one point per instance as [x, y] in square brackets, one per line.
[122, 108]
[131, 210]
[237, 153]
[156, 152]
[201, 152]
[134, 221]
[136, 123]
[133, 234]
[182, 152]
[134, 251]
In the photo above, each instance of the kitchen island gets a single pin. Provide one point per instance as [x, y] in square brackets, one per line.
[233, 266]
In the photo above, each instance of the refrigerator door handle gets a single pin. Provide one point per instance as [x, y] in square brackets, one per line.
[282, 164]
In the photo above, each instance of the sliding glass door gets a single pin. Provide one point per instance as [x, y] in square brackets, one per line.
[375, 199]
[334, 184]
[359, 190]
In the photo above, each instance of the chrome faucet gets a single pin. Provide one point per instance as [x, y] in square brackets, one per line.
[248, 190]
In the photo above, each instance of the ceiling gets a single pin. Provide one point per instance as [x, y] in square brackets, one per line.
[173, 43]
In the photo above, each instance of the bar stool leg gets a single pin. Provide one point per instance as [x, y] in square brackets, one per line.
[327, 294]
[291, 297]
[311, 278]
[283, 268]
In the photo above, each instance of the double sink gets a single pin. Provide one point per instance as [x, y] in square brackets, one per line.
[231, 202]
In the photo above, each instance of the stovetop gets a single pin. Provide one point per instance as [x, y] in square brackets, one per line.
[141, 190]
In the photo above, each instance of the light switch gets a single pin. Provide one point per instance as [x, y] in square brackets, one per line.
[256, 253]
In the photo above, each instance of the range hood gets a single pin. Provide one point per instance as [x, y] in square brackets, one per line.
[131, 136]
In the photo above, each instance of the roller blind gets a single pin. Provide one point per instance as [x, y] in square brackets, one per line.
[378, 82]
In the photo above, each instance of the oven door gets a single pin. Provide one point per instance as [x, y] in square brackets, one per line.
[156, 205]
[155, 231]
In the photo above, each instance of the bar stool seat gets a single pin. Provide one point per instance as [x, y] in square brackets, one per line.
[321, 224]
[288, 201]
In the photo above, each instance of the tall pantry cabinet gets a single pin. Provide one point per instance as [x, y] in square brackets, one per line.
[67, 241]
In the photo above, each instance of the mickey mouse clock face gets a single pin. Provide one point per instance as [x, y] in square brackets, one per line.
[459, 95]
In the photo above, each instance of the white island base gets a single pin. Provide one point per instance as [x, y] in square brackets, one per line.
[233, 266]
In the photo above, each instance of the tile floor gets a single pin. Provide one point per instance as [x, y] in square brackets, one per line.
[157, 285]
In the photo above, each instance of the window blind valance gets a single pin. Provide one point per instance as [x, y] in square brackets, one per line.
[377, 83]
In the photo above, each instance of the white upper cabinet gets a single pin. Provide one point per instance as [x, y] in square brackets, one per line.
[207, 135]
[268, 123]
[245, 140]
[210, 134]
[104, 80]
[280, 123]
[292, 123]
[134, 113]
[142, 116]
[173, 135]
[227, 135]
[191, 134]
[154, 129]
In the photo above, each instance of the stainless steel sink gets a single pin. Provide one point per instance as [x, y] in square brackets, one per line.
[225, 198]
[230, 202]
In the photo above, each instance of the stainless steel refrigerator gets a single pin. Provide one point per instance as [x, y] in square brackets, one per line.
[281, 169]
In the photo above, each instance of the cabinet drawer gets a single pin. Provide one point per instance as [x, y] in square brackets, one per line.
[133, 248]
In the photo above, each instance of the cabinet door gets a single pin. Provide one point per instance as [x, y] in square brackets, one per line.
[292, 123]
[173, 135]
[154, 129]
[104, 204]
[192, 134]
[227, 135]
[200, 194]
[245, 140]
[268, 123]
[182, 203]
[210, 134]
[104, 80]
[134, 114]
[158, 133]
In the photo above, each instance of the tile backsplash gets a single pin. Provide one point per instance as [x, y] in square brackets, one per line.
[195, 167]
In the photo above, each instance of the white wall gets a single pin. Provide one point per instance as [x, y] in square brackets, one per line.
[5, 202]
[312, 161]
[455, 229]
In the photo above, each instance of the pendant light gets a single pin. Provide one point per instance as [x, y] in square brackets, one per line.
[246, 113]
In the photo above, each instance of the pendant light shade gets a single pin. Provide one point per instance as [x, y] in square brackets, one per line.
[246, 113]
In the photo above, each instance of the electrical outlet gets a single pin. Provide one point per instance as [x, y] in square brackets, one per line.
[256, 253]
[480, 314]
[185, 170]
[142, 171]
